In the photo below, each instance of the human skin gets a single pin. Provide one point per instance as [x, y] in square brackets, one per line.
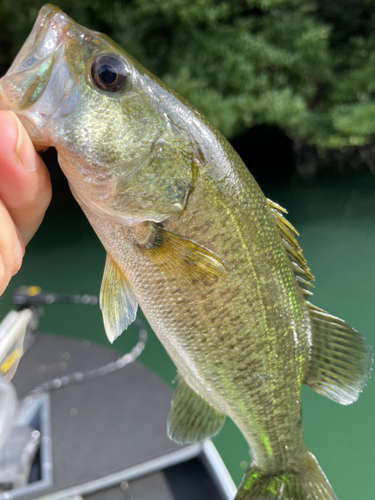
[25, 193]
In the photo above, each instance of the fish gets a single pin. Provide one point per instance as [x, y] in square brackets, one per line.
[214, 265]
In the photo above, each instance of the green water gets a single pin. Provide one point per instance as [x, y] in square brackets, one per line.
[336, 220]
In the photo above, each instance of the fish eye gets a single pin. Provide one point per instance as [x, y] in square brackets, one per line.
[109, 72]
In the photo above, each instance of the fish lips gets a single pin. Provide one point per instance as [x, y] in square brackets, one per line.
[39, 65]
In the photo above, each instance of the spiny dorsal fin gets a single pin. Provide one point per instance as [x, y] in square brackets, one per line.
[340, 358]
[117, 301]
[179, 258]
[191, 419]
[288, 235]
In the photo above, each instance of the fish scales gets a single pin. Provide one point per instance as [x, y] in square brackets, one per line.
[237, 325]
[190, 237]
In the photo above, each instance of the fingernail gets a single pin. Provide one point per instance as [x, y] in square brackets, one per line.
[25, 151]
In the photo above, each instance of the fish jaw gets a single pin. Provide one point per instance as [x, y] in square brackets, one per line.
[32, 88]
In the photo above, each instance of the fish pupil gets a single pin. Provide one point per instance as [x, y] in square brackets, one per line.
[109, 73]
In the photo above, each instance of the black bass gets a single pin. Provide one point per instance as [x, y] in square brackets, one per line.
[190, 237]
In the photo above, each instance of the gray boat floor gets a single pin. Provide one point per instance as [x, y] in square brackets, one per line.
[101, 426]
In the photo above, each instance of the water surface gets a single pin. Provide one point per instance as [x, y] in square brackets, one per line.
[336, 221]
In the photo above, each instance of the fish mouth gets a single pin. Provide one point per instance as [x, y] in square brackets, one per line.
[39, 78]
[29, 73]
[49, 30]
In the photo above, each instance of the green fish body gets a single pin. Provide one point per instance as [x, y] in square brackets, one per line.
[191, 238]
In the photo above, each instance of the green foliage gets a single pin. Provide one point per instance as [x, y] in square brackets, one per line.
[305, 66]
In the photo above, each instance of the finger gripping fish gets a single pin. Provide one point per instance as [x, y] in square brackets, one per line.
[190, 237]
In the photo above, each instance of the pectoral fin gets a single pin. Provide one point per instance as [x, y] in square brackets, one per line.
[191, 419]
[340, 358]
[179, 258]
[117, 301]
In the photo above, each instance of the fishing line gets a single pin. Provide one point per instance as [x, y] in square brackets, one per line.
[34, 298]
[79, 377]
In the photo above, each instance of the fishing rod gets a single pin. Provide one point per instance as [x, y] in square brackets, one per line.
[18, 329]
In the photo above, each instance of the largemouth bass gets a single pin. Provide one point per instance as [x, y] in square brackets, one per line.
[190, 237]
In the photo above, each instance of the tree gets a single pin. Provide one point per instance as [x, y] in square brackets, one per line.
[306, 67]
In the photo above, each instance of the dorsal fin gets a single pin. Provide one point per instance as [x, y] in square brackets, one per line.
[288, 235]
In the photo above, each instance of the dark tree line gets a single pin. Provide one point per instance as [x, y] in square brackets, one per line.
[307, 67]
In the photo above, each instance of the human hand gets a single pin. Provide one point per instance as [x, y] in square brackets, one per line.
[25, 193]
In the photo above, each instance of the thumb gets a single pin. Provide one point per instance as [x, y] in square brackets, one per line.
[25, 187]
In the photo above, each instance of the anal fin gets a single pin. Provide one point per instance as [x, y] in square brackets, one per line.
[340, 361]
[191, 418]
[117, 301]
